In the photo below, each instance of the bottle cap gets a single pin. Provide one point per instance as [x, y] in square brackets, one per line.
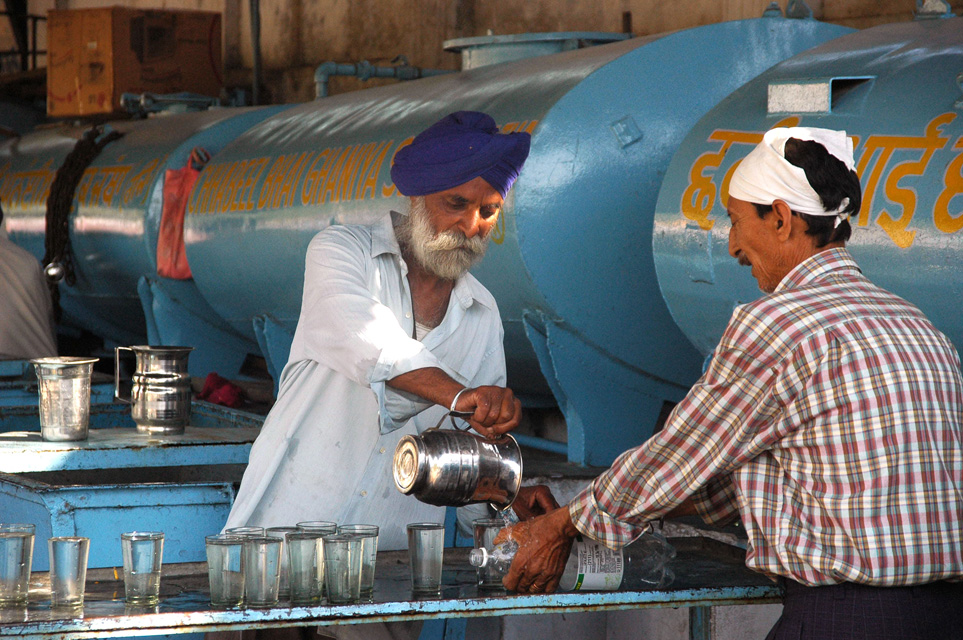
[478, 557]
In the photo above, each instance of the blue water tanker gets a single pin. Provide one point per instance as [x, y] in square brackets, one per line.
[571, 262]
[896, 90]
[114, 221]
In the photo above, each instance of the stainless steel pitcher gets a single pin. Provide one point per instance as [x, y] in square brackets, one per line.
[160, 398]
[454, 468]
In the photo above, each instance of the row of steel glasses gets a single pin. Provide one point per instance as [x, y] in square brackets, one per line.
[142, 553]
[258, 567]
[312, 562]
[247, 566]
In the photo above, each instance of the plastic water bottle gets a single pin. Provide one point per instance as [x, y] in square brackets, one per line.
[592, 566]
[641, 565]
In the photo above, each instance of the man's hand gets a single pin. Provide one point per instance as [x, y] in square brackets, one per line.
[543, 547]
[495, 410]
[533, 501]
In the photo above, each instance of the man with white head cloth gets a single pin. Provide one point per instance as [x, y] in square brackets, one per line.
[830, 419]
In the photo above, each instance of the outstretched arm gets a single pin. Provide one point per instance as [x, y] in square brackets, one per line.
[494, 410]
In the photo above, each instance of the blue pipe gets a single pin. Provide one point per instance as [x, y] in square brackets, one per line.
[364, 70]
[541, 444]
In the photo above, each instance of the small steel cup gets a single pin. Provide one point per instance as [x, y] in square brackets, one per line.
[225, 570]
[342, 568]
[426, 545]
[16, 556]
[262, 571]
[64, 385]
[143, 553]
[323, 527]
[68, 570]
[245, 532]
[284, 588]
[305, 567]
[369, 553]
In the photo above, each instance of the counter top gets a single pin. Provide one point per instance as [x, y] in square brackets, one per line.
[707, 572]
[25, 451]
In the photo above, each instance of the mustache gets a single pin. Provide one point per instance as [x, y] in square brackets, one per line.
[454, 241]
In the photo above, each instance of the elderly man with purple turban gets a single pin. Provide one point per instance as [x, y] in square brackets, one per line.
[829, 419]
[394, 334]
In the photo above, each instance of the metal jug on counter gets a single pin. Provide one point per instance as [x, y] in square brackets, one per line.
[160, 398]
[453, 468]
[64, 386]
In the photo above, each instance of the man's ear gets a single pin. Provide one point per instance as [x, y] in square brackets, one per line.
[783, 219]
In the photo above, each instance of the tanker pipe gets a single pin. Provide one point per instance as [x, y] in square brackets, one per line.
[255, 8]
[365, 71]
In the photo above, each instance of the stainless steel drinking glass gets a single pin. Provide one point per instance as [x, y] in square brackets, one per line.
[426, 545]
[369, 554]
[342, 568]
[245, 531]
[143, 556]
[305, 567]
[225, 570]
[262, 570]
[68, 570]
[64, 385]
[284, 590]
[485, 530]
[16, 556]
[323, 527]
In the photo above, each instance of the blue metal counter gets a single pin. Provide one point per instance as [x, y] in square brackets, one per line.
[709, 573]
[120, 479]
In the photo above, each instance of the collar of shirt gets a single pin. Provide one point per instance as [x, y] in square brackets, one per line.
[817, 266]
[383, 240]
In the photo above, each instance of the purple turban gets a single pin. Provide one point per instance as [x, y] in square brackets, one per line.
[457, 149]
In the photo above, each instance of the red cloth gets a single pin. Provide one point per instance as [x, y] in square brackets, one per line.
[171, 254]
[218, 390]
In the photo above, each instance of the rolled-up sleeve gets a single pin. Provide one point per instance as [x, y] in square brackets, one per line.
[356, 319]
[726, 419]
[343, 325]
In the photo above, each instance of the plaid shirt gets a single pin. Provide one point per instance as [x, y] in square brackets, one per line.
[829, 418]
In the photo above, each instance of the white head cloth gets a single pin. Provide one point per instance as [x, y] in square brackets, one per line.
[765, 175]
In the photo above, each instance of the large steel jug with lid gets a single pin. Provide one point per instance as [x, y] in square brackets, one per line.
[160, 398]
[453, 468]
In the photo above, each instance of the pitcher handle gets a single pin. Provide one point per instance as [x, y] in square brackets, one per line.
[454, 413]
[463, 415]
[454, 425]
[117, 395]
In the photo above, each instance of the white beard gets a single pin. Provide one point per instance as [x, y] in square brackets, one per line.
[446, 254]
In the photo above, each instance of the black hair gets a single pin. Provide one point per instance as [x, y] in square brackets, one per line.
[832, 181]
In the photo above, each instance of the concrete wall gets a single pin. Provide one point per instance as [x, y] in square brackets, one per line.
[297, 35]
